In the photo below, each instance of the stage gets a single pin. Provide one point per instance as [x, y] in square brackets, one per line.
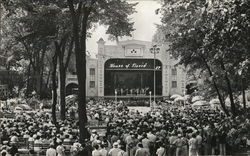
[132, 78]
[133, 97]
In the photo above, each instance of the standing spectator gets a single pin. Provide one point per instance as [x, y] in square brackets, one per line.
[172, 147]
[193, 146]
[51, 151]
[130, 144]
[222, 142]
[93, 136]
[199, 142]
[207, 142]
[115, 150]
[145, 142]
[161, 151]
[141, 151]
[60, 149]
[96, 151]
[67, 142]
[122, 151]
[87, 149]
[214, 142]
[179, 144]
[103, 151]
[184, 148]
[151, 136]
[38, 145]
[75, 148]
[114, 138]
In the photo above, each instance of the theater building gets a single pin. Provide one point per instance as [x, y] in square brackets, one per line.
[127, 70]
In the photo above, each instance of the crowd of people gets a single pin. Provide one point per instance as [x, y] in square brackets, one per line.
[172, 131]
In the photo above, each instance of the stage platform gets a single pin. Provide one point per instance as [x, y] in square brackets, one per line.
[132, 97]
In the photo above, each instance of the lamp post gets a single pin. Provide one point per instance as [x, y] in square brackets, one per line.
[155, 50]
[150, 99]
[184, 92]
[184, 98]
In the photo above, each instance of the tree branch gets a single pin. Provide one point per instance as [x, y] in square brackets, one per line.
[71, 8]
[79, 11]
[70, 51]
[30, 56]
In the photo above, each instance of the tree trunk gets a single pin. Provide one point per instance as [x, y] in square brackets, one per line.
[222, 103]
[54, 88]
[79, 35]
[62, 78]
[41, 82]
[230, 92]
[33, 80]
[28, 81]
[40, 65]
[62, 73]
[48, 79]
[38, 83]
[80, 54]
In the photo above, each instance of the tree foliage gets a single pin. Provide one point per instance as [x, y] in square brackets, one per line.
[52, 28]
[210, 35]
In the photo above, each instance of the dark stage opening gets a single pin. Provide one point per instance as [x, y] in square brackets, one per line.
[132, 77]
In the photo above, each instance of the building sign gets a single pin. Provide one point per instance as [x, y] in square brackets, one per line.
[132, 64]
[72, 79]
[134, 52]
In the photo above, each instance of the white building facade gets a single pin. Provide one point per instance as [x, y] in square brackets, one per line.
[128, 68]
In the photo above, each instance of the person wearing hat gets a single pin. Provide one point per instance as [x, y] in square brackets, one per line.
[51, 151]
[93, 136]
[115, 150]
[179, 143]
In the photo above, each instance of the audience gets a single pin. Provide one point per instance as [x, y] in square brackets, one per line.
[169, 131]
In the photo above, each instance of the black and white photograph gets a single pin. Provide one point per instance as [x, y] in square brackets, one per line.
[124, 77]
